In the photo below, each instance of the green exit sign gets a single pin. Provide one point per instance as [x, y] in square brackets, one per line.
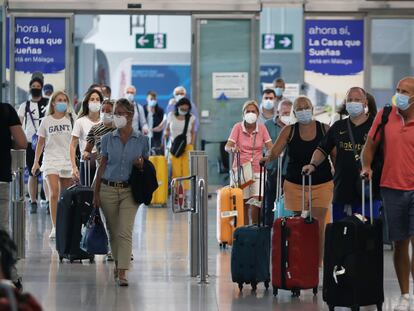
[272, 41]
[151, 41]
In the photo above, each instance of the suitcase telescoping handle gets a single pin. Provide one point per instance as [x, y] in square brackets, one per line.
[310, 194]
[87, 172]
[371, 211]
[262, 195]
[279, 178]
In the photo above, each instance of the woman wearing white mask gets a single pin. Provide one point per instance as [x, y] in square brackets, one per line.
[178, 93]
[89, 116]
[301, 139]
[121, 150]
[176, 126]
[249, 137]
[54, 137]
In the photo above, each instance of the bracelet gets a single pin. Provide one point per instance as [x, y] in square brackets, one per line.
[314, 165]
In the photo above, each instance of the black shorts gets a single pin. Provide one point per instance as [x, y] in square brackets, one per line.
[30, 156]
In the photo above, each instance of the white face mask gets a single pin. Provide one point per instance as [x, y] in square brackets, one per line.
[178, 97]
[120, 121]
[94, 106]
[107, 118]
[285, 120]
[250, 117]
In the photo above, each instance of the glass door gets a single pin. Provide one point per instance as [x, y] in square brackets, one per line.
[225, 75]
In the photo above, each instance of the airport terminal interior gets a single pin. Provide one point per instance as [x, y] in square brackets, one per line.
[223, 53]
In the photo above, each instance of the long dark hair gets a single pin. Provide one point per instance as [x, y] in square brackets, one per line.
[181, 102]
[84, 111]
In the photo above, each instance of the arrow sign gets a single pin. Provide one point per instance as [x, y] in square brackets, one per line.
[272, 41]
[285, 42]
[142, 41]
[151, 40]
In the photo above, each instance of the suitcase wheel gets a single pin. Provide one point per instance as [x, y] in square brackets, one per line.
[60, 259]
[379, 306]
[223, 245]
[295, 292]
[275, 291]
[71, 260]
[315, 291]
[91, 260]
[254, 286]
[331, 308]
[266, 283]
[355, 308]
[240, 286]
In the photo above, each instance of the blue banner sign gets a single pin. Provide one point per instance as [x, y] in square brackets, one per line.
[160, 78]
[269, 73]
[39, 45]
[334, 47]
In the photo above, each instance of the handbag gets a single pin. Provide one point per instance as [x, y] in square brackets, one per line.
[35, 137]
[180, 142]
[94, 238]
[243, 173]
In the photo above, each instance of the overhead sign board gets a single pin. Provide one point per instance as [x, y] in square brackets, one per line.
[272, 41]
[151, 41]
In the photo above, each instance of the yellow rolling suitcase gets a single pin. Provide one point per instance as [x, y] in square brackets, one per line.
[159, 197]
[230, 214]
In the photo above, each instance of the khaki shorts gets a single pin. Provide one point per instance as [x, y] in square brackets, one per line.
[322, 195]
[253, 189]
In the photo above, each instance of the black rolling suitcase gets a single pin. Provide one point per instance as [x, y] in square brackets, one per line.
[250, 255]
[353, 262]
[74, 208]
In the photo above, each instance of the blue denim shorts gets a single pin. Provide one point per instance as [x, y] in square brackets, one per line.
[399, 211]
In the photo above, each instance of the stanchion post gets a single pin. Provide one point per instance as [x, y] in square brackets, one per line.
[18, 215]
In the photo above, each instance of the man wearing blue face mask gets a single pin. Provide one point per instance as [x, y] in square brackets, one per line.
[267, 107]
[348, 137]
[279, 88]
[156, 121]
[397, 179]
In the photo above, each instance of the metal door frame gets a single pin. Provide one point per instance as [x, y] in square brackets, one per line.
[69, 50]
[195, 51]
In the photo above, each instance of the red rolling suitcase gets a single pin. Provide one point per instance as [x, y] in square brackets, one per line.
[295, 251]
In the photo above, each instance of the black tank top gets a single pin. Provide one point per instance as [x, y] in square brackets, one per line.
[300, 154]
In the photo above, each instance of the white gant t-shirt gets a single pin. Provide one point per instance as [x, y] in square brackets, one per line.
[57, 134]
[81, 130]
[28, 126]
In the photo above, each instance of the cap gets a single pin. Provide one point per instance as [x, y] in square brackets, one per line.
[48, 88]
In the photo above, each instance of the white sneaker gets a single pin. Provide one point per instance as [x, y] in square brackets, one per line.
[403, 303]
[52, 234]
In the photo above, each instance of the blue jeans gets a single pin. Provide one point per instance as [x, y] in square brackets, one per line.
[340, 211]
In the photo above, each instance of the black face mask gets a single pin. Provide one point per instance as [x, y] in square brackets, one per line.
[36, 92]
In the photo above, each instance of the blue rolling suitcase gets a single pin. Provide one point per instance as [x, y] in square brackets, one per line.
[250, 255]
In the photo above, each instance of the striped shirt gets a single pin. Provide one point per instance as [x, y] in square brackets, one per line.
[95, 135]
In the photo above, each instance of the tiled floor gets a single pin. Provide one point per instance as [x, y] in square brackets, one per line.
[159, 276]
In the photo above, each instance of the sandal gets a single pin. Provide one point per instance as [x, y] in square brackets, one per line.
[123, 282]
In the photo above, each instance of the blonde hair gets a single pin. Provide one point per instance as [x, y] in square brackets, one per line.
[299, 99]
[251, 103]
[51, 109]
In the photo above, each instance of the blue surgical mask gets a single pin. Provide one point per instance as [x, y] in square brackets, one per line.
[61, 107]
[178, 97]
[182, 112]
[304, 116]
[402, 101]
[279, 91]
[268, 104]
[354, 109]
[152, 103]
[130, 97]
